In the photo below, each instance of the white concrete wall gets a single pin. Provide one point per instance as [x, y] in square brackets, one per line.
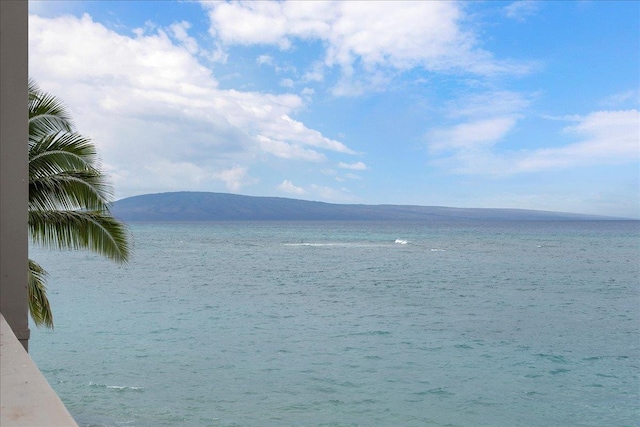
[26, 399]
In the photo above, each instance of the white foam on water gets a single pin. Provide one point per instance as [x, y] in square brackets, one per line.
[401, 241]
[115, 387]
[335, 245]
[313, 244]
[123, 387]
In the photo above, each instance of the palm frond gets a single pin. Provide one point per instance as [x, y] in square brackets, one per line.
[97, 231]
[62, 174]
[39, 306]
[69, 199]
[70, 191]
[47, 114]
[61, 151]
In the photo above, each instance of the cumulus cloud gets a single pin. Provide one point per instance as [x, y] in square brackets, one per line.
[315, 191]
[285, 150]
[234, 178]
[357, 166]
[287, 187]
[265, 60]
[315, 73]
[290, 129]
[179, 31]
[173, 174]
[335, 194]
[146, 100]
[368, 36]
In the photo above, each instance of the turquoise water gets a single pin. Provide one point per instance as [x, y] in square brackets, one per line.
[350, 324]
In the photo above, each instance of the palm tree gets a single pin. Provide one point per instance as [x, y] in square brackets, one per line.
[69, 200]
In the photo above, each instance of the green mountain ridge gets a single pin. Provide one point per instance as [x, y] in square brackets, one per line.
[188, 206]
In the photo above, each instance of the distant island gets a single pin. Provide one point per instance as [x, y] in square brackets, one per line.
[188, 206]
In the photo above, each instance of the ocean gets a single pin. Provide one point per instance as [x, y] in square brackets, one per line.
[350, 324]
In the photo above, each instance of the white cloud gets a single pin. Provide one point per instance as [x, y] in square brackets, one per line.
[307, 93]
[521, 9]
[357, 166]
[471, 135]
[631, 97]
[339, 195]
[319, 192]
[172, 174]
[265, 60]
[179, 31]
[604, 137]
[286, 83]
[146, 101]
[287, 187]
[488, 104]
[315, 73]
[285, 150]
[368, 36]
[234, 178]
[293, 130]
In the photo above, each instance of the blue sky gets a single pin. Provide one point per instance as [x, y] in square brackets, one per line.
[528, 105]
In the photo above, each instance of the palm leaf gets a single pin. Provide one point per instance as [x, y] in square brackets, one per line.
[97, 231]
[47, 114]
[39, 306]
[69, 199]
[59, 152]
[62, 174]
[69, 191]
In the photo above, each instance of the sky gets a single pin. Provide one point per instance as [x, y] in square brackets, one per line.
[527, 104]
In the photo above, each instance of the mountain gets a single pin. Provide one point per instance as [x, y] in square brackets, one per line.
[201, 206]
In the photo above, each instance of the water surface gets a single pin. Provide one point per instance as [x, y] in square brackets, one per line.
[350, 324]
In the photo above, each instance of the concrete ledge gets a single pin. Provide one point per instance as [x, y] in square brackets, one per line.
[26, 398]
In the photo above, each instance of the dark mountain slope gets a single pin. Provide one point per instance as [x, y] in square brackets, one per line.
[201, 206]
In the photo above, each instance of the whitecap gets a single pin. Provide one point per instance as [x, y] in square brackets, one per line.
[401, 241]
[115, 387]
[124, 387]
[334, 245]
[311, 244]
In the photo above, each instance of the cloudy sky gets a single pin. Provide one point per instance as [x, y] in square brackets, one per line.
[468, 104]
